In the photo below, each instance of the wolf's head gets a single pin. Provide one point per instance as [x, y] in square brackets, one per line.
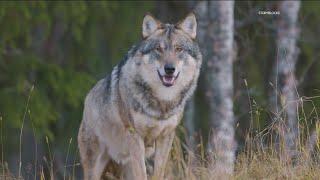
[168, 59]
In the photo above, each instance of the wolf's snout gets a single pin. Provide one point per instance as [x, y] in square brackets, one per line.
[168, 76]
[169, 69]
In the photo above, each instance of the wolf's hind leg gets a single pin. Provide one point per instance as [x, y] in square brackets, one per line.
[94, 169]
[88, 158]
[93, 157]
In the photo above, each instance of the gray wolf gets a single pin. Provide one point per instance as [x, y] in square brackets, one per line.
[131, 115]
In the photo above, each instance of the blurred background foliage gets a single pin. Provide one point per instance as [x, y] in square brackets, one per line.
[63, 48]
[60, 48]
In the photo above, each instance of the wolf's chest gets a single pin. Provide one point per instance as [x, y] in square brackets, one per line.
[150, 128]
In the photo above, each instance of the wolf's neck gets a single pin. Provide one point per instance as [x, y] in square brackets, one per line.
[143, 98]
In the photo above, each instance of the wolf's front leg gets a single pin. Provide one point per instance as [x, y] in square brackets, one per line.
[135, 169]
[163, 147]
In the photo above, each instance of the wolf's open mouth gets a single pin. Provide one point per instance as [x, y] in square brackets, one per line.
[168, 80]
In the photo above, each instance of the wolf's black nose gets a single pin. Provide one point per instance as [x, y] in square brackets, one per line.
[169, 69]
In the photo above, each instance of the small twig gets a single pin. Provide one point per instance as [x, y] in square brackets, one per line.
[21, 131]
[66, 162]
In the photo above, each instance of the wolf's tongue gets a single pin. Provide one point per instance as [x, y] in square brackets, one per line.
[168, 79]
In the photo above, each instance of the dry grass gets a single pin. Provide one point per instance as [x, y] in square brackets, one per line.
[255, 162]
[268, 166]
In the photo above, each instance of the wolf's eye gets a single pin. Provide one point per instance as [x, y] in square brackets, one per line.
[178, 49]
[158, 48]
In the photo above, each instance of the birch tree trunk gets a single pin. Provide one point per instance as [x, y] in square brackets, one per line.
[284, 96]
[219, 76]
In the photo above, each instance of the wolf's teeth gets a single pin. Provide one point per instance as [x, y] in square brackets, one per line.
[168, 79]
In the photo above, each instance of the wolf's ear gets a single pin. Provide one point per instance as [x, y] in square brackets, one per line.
[189, 25]
[149, 25]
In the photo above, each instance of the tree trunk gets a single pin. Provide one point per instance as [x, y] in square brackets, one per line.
[219, 76]
[284, 96]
